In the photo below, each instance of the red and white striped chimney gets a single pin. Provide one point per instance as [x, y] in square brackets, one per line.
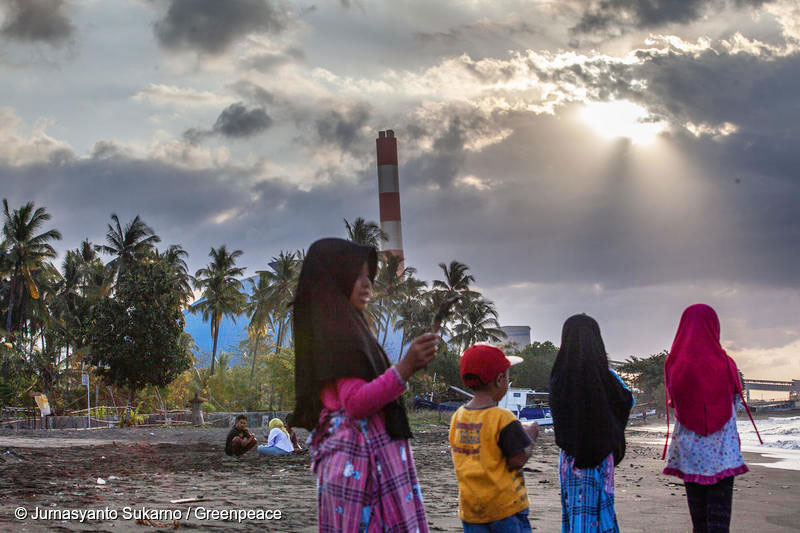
[389, 193]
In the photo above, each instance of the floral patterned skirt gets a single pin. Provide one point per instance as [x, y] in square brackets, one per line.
[365, 481]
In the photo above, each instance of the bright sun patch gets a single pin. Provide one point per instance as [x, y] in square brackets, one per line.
[621, 119]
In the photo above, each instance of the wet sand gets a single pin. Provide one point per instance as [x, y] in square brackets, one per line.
[145, 468]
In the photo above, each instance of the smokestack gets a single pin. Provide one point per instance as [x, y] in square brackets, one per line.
[389, 194]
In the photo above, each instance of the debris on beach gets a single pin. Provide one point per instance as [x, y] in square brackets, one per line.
[189, 500]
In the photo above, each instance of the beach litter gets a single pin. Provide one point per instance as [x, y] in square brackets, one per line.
[200, 498]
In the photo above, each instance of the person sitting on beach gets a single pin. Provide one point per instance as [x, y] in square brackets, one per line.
[239, 440]
[349, 394]
[590, 406]
[489, 447]
[279, 440]
[701, 383]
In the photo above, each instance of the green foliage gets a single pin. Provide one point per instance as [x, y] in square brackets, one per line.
[16, 378]
[136, 333]
[645, 376]
[131, 418]
[424, 419]
[534, 370]
[227, 389]
[222, 291]
[365, 233]
[446, 368]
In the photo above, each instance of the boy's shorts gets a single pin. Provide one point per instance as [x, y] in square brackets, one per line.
[516, 523]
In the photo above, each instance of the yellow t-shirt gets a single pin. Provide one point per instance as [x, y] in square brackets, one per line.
[487, 490]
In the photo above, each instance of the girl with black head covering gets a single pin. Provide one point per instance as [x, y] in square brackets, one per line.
[590, 407]
[348, 393]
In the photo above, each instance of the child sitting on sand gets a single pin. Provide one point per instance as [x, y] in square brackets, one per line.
[279, 440]
[489, 447]
[239, 440]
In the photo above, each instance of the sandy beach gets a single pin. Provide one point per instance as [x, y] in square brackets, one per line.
[141, 470]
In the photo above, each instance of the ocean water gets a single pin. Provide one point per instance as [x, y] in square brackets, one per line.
[781, 436]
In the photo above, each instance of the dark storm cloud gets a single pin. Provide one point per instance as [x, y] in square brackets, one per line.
[755, 94]
[236, 122]
[344, 128]
[716, 86]
[564, 210]
[105, 150]
[37, 21]
[619, 15]
[261, 216]
[211, 26]
[445, 162]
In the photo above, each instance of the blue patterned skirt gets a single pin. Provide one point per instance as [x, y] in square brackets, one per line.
[587, 496]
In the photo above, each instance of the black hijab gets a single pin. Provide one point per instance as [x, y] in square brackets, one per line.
[332, 338]
[590, 406]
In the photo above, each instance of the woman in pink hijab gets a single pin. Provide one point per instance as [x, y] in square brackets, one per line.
[702, 383]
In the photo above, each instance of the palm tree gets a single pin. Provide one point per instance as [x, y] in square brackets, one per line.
[222, 292]
[82, 282]
[478, 323]
[416, 313]
[366, 233]
[456, 282]
[259, 307]
[282, 283]
[26, 251]
[175, 256]
[393, 286]
[134, 240]
[95, 277]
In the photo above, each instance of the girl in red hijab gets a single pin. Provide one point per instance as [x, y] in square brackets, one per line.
[702, 383]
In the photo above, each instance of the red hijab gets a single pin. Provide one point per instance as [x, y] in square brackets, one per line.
[701, 379]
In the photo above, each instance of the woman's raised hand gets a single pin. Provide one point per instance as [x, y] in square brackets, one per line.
[419, 355]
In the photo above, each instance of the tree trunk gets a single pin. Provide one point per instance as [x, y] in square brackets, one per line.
[386, 330]
[129, 408]
[11, 302]
[253, 367]
[279, 337]
[215, 334]
[20, 292]
[197, 411]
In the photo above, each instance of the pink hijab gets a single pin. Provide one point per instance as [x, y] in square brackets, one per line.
[700, 378]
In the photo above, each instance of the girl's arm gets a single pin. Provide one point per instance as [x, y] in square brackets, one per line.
[361, 398]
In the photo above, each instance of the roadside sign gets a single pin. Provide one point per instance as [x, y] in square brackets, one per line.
[42, 404]
[85, 380]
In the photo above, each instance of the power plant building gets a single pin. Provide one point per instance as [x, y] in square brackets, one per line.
[521, 335]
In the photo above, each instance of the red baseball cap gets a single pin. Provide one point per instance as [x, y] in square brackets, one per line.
[485, 362]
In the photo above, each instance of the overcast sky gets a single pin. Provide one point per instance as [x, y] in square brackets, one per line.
[620, 158]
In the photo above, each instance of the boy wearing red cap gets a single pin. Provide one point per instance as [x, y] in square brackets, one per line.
[489, 447]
